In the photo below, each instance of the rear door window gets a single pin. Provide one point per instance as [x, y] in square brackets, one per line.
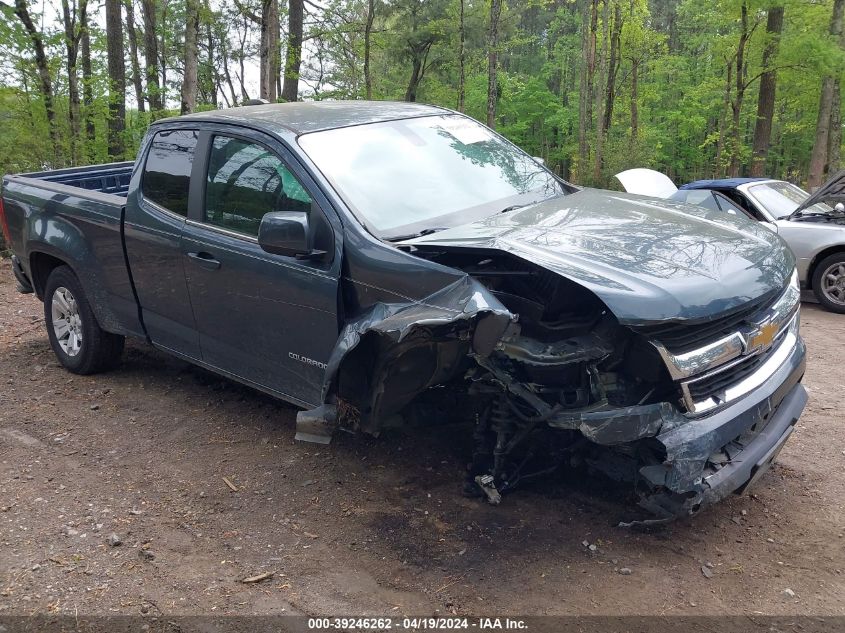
[167, 172]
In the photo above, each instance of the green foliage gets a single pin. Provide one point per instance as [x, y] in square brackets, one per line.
[681, 50]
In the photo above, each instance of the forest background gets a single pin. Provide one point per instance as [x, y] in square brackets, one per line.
[694, 88]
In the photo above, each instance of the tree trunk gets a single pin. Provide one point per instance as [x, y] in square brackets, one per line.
[163, 57]
[268, 48]
[768, 89]
[820, 147]
[599, 153]
[368, 32]
[290, 88]
[241, 56]
[87, 88]
[723, 123]
[133, 54]
[117, 78]
[583, 94]
[589, 22]
[834, 137]
[492, 61]
[224, 55]
[462, 77]
[215, 84]
[45, 82]
[419, 54]
[591, 60]
[818, 158]
[265, 80]
[275, 54]
[736, 106]
[615, 49]
[189, 80]
[635, 104]
[148, 8]
[73, 32]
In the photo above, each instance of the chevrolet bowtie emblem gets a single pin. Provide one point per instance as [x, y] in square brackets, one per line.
[763, 337]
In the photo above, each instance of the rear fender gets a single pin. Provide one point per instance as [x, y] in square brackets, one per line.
[100, 273]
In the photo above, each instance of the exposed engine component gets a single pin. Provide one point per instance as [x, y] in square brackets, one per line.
[555, 380]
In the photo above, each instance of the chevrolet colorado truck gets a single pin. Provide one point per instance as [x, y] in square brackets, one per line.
[379, 264]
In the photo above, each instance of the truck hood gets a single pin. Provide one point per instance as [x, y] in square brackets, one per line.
[647, 259]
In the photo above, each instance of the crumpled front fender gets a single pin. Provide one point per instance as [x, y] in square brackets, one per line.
[431, 336]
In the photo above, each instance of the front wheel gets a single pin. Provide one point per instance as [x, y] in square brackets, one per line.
[829, 282]
[75, 336]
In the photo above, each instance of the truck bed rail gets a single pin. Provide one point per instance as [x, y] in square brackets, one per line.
[112, 178]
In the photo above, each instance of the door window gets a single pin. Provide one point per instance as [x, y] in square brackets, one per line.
[167, 171]
[729, 207]
[245, 181]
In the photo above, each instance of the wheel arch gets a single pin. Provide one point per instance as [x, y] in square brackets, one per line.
[41, 264]
[818, 258]
[43, 260]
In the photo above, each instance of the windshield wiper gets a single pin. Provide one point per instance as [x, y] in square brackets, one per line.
[402, 238]
[513, 207]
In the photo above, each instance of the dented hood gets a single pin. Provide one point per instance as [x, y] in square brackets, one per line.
[647, 259]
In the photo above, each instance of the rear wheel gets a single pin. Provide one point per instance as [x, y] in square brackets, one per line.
[829, 282]
[75, 336]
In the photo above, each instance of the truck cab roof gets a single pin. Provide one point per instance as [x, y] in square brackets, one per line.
[303, 117]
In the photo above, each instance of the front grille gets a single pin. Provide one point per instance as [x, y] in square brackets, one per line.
[682, 337]
[712, 385]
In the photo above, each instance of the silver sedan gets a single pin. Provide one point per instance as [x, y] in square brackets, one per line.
[813, 229]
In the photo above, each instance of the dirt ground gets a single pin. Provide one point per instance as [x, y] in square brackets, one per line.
[365, 526]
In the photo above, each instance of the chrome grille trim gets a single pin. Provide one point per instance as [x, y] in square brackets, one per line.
[784, 344]
[747, 340]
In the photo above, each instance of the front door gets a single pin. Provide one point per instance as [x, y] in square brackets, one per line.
[268, 319]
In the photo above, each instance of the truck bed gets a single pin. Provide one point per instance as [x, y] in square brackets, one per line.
[111, 178]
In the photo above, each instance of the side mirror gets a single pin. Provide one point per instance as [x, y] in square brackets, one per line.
[539, 159]
[286, 233]
[839, 208]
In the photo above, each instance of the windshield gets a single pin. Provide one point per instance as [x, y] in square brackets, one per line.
[780, 199]
[417, 175]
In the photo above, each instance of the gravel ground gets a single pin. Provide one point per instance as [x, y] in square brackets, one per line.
[115, 499]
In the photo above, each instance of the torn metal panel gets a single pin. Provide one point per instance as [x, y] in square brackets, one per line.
[619, 425]
[463, 300]
[441, 330]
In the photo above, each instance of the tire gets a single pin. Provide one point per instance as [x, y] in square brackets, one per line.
[829, 282]
[75, 336]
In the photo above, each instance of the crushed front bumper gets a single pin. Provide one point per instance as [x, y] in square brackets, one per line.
[708, 458]
[701, 459]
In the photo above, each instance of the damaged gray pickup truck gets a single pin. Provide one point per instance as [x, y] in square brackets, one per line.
[380, 264]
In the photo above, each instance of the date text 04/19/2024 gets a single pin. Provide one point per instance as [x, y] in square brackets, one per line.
[416, 624]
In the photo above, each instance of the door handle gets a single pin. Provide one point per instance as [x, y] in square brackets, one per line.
[206, 260]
